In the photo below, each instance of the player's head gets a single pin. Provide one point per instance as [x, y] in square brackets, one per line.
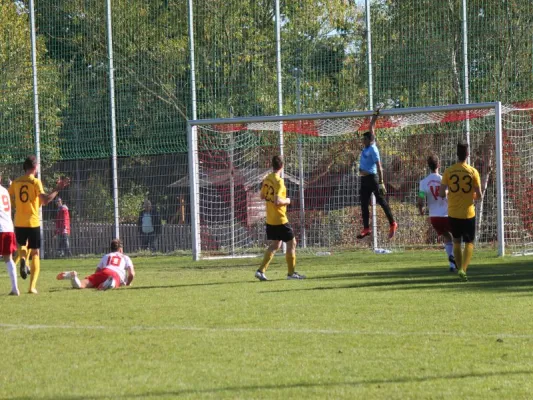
[116, 245]
[30, 164]
[433, 162]
[147, 205]
[277, 163]
[462, 151]
[368, 138]
[59, 202]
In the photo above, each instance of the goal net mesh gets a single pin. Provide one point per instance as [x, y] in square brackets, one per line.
[321, 175]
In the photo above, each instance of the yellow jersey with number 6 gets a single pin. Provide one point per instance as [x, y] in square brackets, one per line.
[25, 193]
[273, 185]
[461, 180]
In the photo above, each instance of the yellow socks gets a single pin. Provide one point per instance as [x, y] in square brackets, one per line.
[469, 250]
[35, 268]
[266, 261]
[291, 262]
[458, 254]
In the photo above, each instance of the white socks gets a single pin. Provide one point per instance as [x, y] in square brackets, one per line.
[11, 270]
[449, 251]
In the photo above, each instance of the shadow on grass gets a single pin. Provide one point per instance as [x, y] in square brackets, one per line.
[516, 277]
[303, 385]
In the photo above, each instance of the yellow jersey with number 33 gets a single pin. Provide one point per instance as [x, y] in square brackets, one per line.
[25, 193]
[461, 180]
[273, 185]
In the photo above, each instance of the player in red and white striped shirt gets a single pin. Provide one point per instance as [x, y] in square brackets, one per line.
[114, 270]
[8, 242]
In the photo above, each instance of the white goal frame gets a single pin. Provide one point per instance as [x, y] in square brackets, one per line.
[194, 180]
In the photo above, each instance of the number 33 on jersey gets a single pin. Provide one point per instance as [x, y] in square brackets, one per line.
[461, 179]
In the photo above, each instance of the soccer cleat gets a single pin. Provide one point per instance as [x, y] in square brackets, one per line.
[14, 293]
[364, 233]
[295, 275]
[108, 284]
[392, 230]
[66, 275]
[261, 276]
[24, 270]
[453, 265]
[462, 275]
[33, 291]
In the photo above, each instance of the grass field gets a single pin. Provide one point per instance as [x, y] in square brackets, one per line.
[362, 326]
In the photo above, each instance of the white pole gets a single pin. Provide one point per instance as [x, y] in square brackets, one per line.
[278, 67]
[499, 179]
[280, 87]
[36, 115]
[371, 106]
[465, 72]
[192, 140]
[113, 118]
[303, 239]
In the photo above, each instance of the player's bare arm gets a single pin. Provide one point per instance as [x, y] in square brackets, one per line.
[46, 198]
[131, 276]
[442, 191]
[281, 201]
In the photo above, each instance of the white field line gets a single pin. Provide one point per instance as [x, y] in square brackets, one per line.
[10, 327]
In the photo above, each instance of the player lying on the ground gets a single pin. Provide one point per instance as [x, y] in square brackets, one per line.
[114, 270]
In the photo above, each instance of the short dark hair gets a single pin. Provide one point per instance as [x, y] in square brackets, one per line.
[277, 163]
[433, 162]
[116, 244]
[29, 163]
[462, 151]
[369, 135]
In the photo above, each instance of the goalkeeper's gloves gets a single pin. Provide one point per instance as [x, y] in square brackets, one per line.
[381, 188]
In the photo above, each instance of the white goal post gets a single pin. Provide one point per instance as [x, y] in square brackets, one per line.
[228, 157]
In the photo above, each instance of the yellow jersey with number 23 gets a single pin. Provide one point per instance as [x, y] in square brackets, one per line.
[461, 180]
[25, 193]
[273, 185]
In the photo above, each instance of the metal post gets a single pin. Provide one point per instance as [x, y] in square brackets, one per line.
[36, 116]
[499, 179]
[371, 106]
[303, 238]
[278, 68]
[192, 140]
[465, 72]
[113, 118]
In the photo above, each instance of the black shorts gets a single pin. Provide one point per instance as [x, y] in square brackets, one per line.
[463, 228]
[279, 232]
[31, 236]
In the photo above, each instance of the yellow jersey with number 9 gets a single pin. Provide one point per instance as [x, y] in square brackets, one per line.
[25, 193]
[273, 185]
[461, 180]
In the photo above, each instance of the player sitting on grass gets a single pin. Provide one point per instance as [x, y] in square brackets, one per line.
[115, 269]
[438, 207]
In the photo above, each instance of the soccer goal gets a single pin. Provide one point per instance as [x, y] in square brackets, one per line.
[228, 159]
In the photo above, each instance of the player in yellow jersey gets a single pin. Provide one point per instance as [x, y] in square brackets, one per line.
[28, 195]
[464, 186]
[278, 230]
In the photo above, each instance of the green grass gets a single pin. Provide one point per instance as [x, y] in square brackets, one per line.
[363, 326]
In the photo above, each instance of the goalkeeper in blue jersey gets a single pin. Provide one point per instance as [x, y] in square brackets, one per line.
[371, 173]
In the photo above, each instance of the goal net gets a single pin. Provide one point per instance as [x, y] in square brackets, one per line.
[230, 158]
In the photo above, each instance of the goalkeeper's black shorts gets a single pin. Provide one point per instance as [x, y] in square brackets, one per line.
[463, 228]
[279, 232]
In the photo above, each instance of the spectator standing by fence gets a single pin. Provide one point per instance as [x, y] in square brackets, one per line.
[149, 224]
[62, 231]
